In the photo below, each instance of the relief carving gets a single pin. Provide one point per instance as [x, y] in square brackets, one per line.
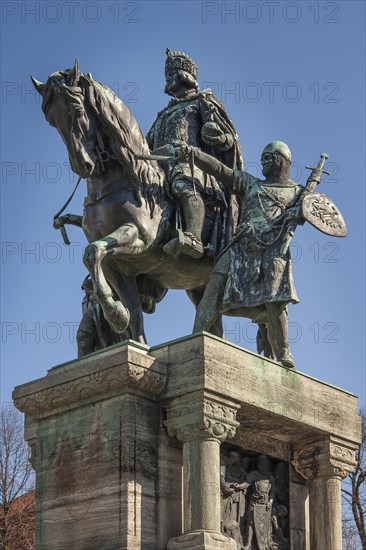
[201, 417]
[324, 459]
[254, 500]
[127, 374]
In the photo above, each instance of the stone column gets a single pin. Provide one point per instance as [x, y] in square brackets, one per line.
[201, 421]
[324, 464]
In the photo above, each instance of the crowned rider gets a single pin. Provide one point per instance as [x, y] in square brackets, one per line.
[199, 119]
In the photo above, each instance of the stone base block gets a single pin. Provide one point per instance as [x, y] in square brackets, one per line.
[109, 476]
[202, 540]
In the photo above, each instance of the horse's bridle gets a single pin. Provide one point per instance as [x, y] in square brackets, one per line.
[103, 156]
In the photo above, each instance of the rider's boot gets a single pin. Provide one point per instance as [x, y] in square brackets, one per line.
[194, 217]
[278, 326]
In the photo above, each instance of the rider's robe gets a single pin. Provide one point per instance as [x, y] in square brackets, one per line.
[182, 121]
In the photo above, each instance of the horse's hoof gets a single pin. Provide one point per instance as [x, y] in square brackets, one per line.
[190, 246]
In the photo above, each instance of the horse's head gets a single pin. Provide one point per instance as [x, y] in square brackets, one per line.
[65, 108]
[96, 126]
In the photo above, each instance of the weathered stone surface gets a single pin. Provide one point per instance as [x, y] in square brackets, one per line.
[253, 440]
[280, 410]
[95, 451]
[202, 540]
[111, 433]
[201, 414]
[169, 488]
[98, 461]
[276, 401]
[201, 420]
[299, 526]
[327, 457]
[91, 378]
[325, 463]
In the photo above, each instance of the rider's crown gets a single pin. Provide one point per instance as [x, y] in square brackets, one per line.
[181, 62]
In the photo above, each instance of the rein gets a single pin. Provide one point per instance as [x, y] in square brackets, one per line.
[103, 157]
[56, 216]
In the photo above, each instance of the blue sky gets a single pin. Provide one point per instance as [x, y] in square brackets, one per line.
[290, 71]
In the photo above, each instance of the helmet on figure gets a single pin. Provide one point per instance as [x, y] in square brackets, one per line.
[278, 147]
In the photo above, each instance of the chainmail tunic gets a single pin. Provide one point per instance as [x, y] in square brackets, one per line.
[258, 272]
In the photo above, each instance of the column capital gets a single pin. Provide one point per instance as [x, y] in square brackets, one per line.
[201, 415]
[329, 457]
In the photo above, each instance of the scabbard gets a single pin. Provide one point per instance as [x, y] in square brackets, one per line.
[289, 234]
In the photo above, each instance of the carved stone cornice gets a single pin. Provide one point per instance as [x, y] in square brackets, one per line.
[326, 458]
[201, 415]
[127, 369]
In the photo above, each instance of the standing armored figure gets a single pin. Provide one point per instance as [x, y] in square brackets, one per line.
[261, 497]
[253, 274]
[199, 119]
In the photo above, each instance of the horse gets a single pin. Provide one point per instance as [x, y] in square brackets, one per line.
[128, 212]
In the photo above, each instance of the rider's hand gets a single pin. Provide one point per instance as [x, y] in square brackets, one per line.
[60, 221]
[212, 134]
[182, 151]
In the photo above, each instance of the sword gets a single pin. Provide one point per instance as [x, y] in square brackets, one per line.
[166, 152]
[311, 184]
[153, 157]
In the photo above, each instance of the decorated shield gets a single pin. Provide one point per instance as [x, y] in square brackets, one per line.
[323, 214]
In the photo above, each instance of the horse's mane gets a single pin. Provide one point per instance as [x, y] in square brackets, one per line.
[125, 137]
[120, 129]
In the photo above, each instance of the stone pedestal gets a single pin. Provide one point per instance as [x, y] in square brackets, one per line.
[126, 445]
[93, 426]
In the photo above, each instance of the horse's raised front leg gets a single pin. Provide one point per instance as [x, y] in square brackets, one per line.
[125, 240]
[126, 289]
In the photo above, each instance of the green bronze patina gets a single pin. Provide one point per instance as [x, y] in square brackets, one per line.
[161, 211]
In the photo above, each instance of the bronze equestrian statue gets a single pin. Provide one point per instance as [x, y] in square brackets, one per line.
[129, 212]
